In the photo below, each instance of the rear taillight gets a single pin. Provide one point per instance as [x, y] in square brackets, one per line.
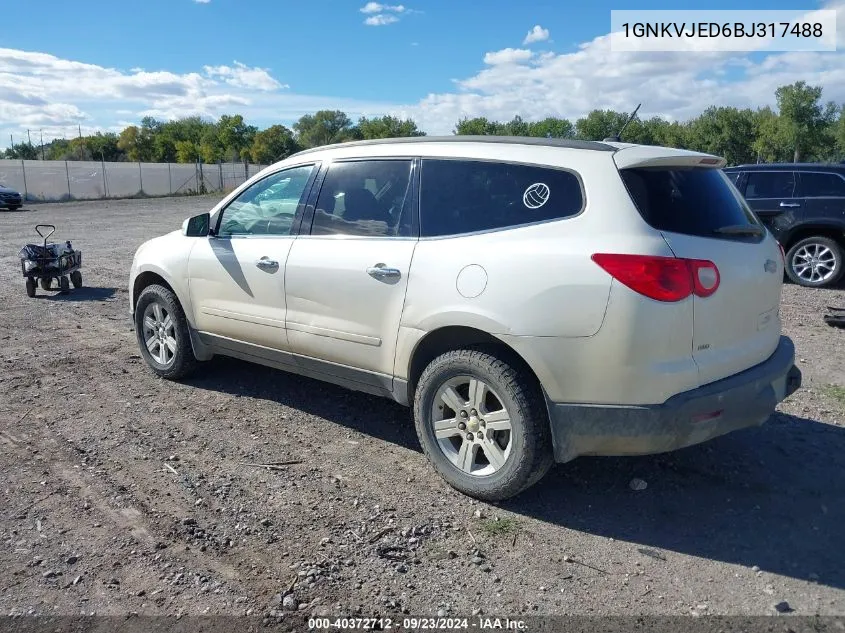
[662, 278]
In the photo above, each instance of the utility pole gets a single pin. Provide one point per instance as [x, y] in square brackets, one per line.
[42, 144]
[80, 130]
[29, 137]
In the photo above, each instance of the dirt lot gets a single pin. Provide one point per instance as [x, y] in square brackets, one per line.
[124, 493]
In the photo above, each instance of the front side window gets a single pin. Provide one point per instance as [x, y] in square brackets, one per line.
[819, 185]
[267, 207]
[770, 184]
[366, 198]
[464, 196]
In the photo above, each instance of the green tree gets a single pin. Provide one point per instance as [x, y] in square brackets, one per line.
[599, 124]
[273, 144]
[136, 143]
[211, 149]
[478, 126]
[838, 133]
[323, 128]
[726, 132]
[23, 151]
[234, 135]
[552, 127]
[386, 127]
[805, 119]
[187, 151]
[57, 149]
[771, 140]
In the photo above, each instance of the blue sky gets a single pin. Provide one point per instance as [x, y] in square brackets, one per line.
[102, 65]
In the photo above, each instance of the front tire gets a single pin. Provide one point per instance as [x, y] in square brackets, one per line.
[482, 424]
[163, 335]
[815, 262]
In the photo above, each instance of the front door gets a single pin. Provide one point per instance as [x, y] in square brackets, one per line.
[237, 276]
[346, 276]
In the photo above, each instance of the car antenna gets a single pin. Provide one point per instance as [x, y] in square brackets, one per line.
[617, 138]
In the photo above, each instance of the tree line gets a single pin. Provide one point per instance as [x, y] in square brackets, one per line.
[802, 129]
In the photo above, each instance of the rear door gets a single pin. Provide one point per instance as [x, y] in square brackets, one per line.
[702, 217]
[823, 197]
[772, 195]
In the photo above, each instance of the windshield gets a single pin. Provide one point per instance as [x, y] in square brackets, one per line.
[692, 201]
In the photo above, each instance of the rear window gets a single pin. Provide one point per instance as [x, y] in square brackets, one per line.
[691, 201]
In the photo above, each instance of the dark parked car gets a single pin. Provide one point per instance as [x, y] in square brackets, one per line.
[10, 198]
[803, 204]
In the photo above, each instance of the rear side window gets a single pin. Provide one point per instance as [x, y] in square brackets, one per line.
[770, 184]
[818, 185]
[691, 201]
[462, 196]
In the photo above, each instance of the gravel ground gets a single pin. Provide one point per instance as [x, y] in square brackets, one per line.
[123, 493]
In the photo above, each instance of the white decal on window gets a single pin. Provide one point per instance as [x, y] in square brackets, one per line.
[536, 195]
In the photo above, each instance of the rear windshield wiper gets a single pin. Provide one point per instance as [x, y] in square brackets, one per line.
[740, 229]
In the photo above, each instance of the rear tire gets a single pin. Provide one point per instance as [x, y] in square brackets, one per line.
[491, 446]
[163, 335]
[815, 262]
[76, 279]
[45, 283]
[64, 284]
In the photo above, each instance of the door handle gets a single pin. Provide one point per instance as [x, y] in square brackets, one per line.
[789, 205]
[383, 273]
[267, 264]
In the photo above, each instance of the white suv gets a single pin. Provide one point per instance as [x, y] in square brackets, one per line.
[532, 299]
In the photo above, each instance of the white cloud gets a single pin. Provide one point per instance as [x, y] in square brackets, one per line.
[242, 76]
[508, 56]
[202, 1]
[41, 90]
[38, 90]
[380, 20]
[384, 14]
[672, 85]
[375, 7]
[537, 34]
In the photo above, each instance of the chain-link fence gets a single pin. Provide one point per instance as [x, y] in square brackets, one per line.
[58, 180]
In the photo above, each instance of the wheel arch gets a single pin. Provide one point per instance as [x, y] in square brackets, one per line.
[452, 337]
[149, 276]
[831, 231]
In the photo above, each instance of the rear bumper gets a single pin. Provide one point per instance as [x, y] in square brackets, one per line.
[744, 399]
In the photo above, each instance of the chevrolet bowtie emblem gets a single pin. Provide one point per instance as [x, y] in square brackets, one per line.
[770, 266]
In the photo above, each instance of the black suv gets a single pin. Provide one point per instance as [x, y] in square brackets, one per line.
[803, 204]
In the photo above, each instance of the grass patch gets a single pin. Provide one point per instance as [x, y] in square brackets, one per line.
[834, 392]
[501, 527]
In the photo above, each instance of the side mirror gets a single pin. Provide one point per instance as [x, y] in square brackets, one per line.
[197, 226]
